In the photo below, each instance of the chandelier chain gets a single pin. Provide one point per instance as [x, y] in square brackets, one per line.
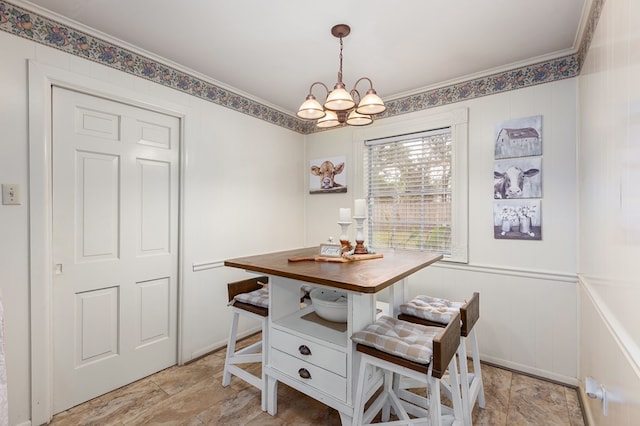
[340, 71]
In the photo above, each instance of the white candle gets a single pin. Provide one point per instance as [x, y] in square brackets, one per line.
[345, 215]
[360, 207]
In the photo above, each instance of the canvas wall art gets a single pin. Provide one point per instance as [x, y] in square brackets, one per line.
[517, 178]
[328, 175]
[521, 137]
[517, 220]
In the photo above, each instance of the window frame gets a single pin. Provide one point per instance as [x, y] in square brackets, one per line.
[457, 120]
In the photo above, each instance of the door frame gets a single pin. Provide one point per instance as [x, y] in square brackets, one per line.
[41, 80]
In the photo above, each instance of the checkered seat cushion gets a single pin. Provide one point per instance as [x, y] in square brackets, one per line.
[431, 308]
[401, 338]
[258, 297]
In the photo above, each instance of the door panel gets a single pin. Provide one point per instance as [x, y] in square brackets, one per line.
[115, 239]
[155, 196]
[97, 311]
[97, 184]
[154, 310]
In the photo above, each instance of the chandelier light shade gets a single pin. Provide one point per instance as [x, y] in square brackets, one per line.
[311, 109]
[356, 119]
[329, 120]
[342, 106]
[371, 104]
[339, 99]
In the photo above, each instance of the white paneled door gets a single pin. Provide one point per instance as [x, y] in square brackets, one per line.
[115, 244]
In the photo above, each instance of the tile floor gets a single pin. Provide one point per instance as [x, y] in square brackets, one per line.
[193, 395]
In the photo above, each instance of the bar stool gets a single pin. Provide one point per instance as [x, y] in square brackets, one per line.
[248, 297]
[432, 311]
[411, 350]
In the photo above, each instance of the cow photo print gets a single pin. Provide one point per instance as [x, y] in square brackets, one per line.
[328, 175]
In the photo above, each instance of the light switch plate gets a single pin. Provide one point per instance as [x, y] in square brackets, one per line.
[11, 194]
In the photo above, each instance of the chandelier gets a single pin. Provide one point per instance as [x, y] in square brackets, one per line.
[340, 105]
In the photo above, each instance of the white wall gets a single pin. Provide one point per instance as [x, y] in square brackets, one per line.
[609, 248]
[527, 288]
[233, 206]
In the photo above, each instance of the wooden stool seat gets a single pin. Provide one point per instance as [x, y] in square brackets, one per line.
[400, 348]
[249, 298]
[430, 311]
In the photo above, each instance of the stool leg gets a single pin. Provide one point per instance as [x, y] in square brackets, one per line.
[389, 380]
[467, 405]
[456, 390]
[435, 410]
[477, 387]
[231, 349]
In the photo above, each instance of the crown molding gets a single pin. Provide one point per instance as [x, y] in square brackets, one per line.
[27, 20]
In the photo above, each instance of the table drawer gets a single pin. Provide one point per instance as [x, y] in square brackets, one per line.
[313, 353]
[310, 374]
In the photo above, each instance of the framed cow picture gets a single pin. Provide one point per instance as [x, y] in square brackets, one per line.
[517, 178]
[328, 175]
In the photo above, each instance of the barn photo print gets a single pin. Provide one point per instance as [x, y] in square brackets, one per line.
[517, 179]
[328, 175]
[519, 138]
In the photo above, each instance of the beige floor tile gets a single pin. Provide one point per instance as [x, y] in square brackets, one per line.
[192, 395]
[537, 402]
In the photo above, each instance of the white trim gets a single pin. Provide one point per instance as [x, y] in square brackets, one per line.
[626, 343]
[215, 346]
[522, 368]
[513, 272]
[203, 266]
[41, 79]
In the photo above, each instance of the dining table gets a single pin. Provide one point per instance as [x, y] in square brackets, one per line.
[312, 354]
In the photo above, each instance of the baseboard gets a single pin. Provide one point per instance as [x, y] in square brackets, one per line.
[221, 344]
[535, 372]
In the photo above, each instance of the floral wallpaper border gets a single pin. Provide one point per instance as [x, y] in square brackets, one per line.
[40, 29]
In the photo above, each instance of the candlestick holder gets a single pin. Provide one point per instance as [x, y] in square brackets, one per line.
[360, 249]
[344, 237]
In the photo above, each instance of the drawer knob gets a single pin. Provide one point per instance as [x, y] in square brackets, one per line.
[304, 373]
[304, 350]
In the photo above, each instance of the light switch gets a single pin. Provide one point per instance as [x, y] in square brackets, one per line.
[11, 193]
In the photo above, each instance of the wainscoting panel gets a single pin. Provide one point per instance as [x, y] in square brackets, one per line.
[528, 318]
[612, 365]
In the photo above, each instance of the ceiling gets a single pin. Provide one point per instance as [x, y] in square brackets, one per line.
[273, 50]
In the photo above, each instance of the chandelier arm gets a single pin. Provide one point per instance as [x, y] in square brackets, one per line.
[355, 95]
[321, 84]
[363, 78]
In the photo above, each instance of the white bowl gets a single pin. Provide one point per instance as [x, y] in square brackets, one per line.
[330, 304]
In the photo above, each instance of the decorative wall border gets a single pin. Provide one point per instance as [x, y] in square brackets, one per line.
[40, 29]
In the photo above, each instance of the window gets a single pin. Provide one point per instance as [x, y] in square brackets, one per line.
[409, 191]
[416, 186]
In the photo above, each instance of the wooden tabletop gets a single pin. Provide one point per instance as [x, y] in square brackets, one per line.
[365, 276]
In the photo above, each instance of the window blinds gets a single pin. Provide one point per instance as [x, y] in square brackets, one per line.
[409, 191]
